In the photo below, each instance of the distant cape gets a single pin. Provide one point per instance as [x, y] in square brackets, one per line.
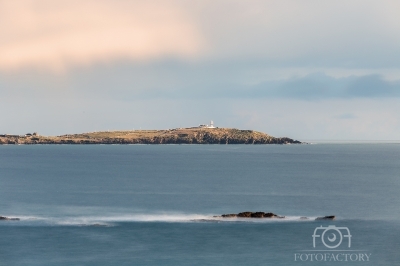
[196, 135]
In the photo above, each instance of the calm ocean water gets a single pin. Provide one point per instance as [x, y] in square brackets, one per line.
[153, 205]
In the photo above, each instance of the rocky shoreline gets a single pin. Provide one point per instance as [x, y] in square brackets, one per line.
[269, 215]
[170, 136]
[4, 218]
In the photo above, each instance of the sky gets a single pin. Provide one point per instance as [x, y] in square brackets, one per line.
[309, 70]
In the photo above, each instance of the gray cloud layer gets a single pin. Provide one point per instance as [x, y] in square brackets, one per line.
[174, 80]
[321, 86]
[184, 81]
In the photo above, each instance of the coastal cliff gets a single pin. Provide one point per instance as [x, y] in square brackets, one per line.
[170, 136]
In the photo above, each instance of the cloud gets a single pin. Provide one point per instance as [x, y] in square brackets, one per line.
[128, 81]
[321, 86]
[304, 33]
[372, 86]
[345, 116]
[57, 34]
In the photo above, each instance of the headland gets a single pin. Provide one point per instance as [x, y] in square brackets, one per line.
[195, 135]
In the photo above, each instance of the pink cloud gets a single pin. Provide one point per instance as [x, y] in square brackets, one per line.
[56, 34]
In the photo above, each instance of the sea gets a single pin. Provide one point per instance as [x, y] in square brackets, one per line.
[155, 204]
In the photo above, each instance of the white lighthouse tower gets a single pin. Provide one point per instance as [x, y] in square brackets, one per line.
[211, 124]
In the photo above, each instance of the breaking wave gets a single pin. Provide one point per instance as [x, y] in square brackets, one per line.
[114, 220]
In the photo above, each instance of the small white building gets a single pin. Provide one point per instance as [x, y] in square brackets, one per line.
[211, 125]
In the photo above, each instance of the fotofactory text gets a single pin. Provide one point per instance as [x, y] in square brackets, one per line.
[332, 244]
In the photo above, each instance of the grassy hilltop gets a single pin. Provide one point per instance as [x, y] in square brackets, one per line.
[170, 136]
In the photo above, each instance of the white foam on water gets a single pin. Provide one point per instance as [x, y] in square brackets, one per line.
[113, 219]
[265, 220]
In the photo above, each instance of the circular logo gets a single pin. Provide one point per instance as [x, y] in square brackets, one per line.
[333, 236]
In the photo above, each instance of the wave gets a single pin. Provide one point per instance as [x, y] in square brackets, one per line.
[113, 219]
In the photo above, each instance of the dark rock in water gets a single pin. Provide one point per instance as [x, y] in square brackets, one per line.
[331, 217]
[228, 215]
[268, 215]
[258, 215]
[8, 218]
[244, 214]
[252, 215]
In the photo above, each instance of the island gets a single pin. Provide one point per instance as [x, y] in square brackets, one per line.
[194, 135]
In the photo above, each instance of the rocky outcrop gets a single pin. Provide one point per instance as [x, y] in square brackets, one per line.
[252, 215]
[171, 136]
[267, 215]
[330, 217]
[3, 218]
